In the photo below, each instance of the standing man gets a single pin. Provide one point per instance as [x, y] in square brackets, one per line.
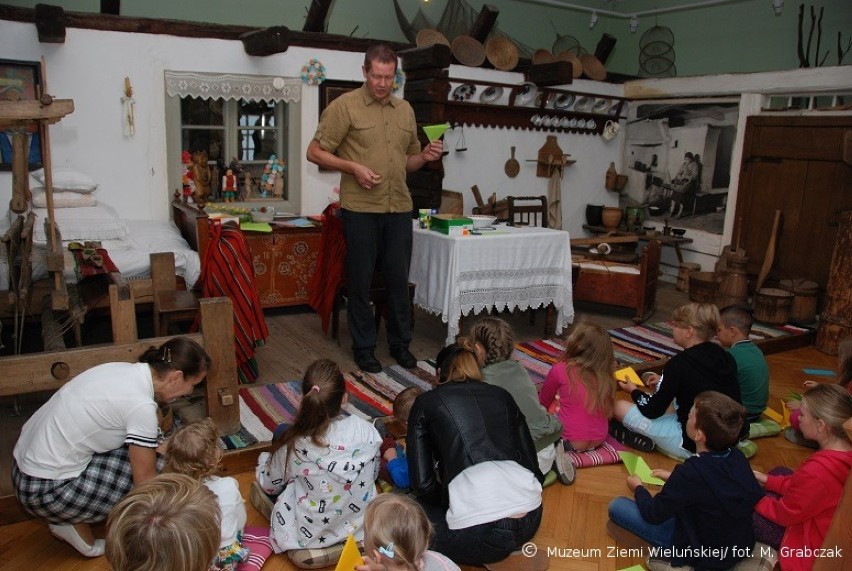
[370, 137]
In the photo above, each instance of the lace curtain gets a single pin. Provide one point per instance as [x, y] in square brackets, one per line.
[227, 86]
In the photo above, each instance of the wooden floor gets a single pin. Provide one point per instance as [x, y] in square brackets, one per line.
[574, 516]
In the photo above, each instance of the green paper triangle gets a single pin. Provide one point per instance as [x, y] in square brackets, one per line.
[434, 132]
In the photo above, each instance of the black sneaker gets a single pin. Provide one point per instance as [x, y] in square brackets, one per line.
[404, 357]
[368, 363]
[629, 437]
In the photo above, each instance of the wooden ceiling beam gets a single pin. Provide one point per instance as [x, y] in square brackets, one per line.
[111, 7]
[317, 14]
[182, 28]
[484, 23]
[50, 24]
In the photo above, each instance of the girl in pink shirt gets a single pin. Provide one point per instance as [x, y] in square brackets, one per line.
[583, 383]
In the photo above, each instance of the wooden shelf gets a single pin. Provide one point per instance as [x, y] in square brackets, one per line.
[432, 103]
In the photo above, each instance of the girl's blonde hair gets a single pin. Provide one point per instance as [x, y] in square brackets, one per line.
[323, 389]
[168, 523]
[832, 404]
[194, 450]
[702, 317]
[397, 519]
[496, 336]
[589, 347]
[457, 362]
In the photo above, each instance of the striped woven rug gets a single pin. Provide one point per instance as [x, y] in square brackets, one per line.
[264, 407]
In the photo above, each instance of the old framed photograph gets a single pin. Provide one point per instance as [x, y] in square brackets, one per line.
[330, 89]
[20, 80]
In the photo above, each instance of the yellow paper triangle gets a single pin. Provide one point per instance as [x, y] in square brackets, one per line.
[627, 374]
[350, 557]
[773, 414]
[435, 131]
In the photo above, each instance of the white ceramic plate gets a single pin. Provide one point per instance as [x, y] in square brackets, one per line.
[463, 92]
[491, 94]
[584, 103]
[564, 101]
[526, 93]
[600, 105]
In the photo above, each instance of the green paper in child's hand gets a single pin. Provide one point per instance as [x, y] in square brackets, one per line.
[434, 132]
[636, 466]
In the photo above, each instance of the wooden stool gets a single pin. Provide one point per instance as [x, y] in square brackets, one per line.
[170, 304]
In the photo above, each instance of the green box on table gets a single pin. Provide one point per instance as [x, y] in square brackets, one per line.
[452, 224]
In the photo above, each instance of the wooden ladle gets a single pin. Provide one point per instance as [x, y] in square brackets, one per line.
[512, 166]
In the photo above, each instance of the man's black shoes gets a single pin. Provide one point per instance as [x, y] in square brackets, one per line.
[368, 363]
[404, 357]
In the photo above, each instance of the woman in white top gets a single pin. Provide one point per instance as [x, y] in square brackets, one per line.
[97, 436]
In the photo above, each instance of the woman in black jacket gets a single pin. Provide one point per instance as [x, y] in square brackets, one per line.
[472, 463]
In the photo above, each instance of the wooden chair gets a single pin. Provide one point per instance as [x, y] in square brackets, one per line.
[527, 210]
[171, 305]
[452, 202]
[379, 299]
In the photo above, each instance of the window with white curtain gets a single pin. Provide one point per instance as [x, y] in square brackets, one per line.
[242, 117]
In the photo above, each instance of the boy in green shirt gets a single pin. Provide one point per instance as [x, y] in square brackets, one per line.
[752, 371]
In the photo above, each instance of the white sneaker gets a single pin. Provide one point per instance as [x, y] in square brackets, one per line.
[564, 468]
[69, 535]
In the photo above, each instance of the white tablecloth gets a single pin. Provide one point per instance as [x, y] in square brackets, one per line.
[510, 268]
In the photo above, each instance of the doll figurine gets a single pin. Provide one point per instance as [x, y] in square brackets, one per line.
[229, 186]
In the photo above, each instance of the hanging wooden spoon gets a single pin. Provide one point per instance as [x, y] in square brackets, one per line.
[512, 167]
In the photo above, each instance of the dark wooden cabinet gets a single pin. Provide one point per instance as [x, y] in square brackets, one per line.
[284, 261]
[793, 164]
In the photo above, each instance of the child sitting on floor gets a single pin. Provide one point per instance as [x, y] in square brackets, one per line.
[193, 450]
[704, 508]
[495, 342]
[752, 370]
[585, 386]
[394, 464]
[323, 469]
[396, 537]
[167, 523]
[793, 433]
[701, 366]
[795, 513]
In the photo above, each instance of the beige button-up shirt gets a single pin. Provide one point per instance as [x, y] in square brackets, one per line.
[359, 128]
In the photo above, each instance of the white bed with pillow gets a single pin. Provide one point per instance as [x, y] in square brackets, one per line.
[81, 217]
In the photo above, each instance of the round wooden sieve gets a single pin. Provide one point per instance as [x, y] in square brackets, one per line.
[512, 166]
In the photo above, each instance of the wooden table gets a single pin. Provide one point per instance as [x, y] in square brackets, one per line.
[672, 241]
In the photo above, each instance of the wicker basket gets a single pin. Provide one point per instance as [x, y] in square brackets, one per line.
[428, 37]
[592, 67]
[543, 56]
[571, 57]
[502, 53]
[468, 51]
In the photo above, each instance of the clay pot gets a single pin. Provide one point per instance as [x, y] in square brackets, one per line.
[594, 212]
[611, 217]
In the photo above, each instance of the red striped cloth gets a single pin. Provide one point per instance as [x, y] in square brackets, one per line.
[228, 271]
[328, 277]
[86, 268]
